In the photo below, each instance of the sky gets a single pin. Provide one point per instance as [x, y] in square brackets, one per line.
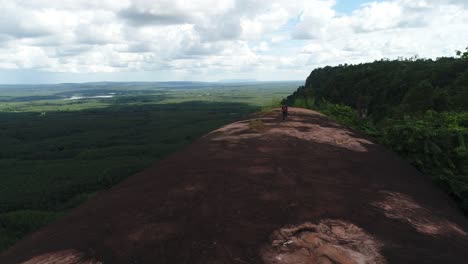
[49, 41]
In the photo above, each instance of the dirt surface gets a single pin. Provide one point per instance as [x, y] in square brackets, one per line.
[302, 191]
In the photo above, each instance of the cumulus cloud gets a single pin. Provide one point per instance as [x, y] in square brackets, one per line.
[267, 39]
[12, 22]
[155, 16]
[385, 29]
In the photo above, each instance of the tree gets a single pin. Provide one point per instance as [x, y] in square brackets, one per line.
[463, 54]
[441, 100]
[419, 98]
[362, 105]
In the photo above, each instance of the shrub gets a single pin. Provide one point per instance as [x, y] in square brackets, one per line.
[256, 124]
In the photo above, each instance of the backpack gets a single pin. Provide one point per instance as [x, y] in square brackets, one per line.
[284, 108]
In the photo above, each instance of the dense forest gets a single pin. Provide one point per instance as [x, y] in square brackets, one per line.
[417, 107]
[61, 144]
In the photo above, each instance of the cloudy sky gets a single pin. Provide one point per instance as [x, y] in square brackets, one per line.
[49, 41]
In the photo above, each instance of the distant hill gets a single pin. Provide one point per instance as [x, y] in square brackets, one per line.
[237, 80]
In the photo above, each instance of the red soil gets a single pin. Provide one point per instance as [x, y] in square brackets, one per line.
[302, 191]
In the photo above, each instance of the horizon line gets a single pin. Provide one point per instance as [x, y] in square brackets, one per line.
[97, 82]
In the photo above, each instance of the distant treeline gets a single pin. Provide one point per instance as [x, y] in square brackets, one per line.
[417, 107]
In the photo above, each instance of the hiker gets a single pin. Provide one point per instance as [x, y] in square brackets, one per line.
[284, 109]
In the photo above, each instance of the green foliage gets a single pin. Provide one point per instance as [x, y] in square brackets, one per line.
[463, 54]
[304, 102]
[416, 107]
[342, 113]
[419, 98]
[256, 124]
[51, 163]
[387, 87]
[274, 103]
[434, 143]
[347, 116]
[20, 223]
[56, 153]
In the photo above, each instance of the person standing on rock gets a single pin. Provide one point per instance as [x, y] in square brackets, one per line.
[284, 109]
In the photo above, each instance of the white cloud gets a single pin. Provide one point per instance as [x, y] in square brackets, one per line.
[390, 29]
[207, 39]
[315, 19]
[261, 47]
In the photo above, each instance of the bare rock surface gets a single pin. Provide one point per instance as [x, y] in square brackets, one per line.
[262, 191]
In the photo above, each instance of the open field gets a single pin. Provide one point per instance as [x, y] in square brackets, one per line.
[61, 144]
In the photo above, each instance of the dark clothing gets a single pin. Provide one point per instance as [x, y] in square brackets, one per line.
[284, 109]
